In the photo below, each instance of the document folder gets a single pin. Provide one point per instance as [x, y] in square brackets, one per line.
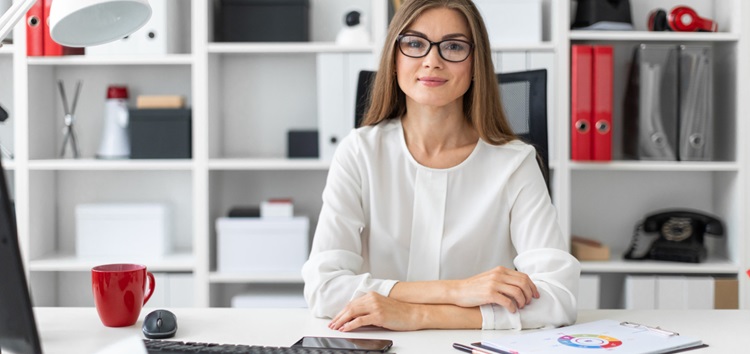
[601, 97]
[35, 27]
[591, 82]
[651, 104]
[580, 102]
[696, 109]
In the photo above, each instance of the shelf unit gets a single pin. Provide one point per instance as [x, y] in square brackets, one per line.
[245, 96]
[606, 200]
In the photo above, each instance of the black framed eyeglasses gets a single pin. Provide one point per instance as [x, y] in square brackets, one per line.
[452, 50]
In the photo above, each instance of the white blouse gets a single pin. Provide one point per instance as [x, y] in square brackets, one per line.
[386, 218]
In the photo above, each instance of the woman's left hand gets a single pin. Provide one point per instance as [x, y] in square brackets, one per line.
[374, 309]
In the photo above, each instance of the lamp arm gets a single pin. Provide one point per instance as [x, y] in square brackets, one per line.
[15, 13]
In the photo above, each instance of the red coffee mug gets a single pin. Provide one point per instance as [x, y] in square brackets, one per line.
[120, 292]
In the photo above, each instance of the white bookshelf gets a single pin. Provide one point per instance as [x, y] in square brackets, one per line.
[83, 60]
[177, 262]
[245, 96]
[538, 47]
[230, 278]
[279, 164]
[606, 200]
[710, 266]
[276, 48]
[655, 166]
[110, 165]
[646, 36]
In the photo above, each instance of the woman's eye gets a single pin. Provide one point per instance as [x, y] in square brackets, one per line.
[415, 44]
[454, 46]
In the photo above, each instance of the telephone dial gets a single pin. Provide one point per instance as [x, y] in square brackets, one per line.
[673, 235]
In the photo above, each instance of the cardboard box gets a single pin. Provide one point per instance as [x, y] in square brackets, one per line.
[512, 21]
[726, 294]
[122, 232]
[160, 102]
[262, 246]
[588, 250]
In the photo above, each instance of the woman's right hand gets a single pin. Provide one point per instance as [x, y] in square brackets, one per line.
[506, 287]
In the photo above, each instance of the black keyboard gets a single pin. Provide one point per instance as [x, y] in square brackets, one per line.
[176, 347]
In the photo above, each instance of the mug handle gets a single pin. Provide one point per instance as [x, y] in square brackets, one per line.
[151, 287]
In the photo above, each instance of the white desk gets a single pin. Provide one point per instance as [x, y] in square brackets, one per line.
[78, 330]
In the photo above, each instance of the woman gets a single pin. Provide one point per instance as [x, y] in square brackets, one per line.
[432, 205]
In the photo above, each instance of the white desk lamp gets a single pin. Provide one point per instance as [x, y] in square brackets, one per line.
[80, 23]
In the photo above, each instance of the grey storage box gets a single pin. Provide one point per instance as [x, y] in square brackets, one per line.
[160, 133]
[262, 21]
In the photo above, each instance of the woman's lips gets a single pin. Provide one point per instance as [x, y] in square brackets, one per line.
[432, 81]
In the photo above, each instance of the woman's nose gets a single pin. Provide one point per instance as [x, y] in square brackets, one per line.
[432, 59]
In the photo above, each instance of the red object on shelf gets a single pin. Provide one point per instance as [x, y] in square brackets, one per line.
[601, 97]
[580, 102]
[35, 27]
[52, 48]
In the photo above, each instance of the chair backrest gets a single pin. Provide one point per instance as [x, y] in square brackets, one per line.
[524, 96]
[364, 84]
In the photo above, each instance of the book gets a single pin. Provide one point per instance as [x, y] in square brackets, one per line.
[610, 335]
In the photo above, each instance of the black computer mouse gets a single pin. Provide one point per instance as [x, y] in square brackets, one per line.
[160, 324]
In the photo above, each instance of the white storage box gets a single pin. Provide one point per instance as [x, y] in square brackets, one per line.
[270, 299]
[159, 36]
[128, 232]
[512, 21]
[172, 290]
[277, 208]
[257, 245]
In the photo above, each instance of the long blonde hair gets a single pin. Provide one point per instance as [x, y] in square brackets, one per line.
[481, 102]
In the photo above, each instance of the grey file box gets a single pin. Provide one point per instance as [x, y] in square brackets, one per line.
[651, 103]
[669, 104]
[160, 134]
[696, 103]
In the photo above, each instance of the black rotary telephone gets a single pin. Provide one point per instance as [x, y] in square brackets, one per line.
[674, 235]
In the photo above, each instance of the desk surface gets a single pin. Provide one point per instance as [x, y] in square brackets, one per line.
[78, 330]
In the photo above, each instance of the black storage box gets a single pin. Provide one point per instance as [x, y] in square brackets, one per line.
[262, 21]
[302, 143]
[160, 133]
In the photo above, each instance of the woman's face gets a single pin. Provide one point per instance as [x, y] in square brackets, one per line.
[432, 80]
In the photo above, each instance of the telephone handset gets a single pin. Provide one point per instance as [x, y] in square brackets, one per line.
[673, 235]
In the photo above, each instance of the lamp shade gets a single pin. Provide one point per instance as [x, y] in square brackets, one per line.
[80, 23]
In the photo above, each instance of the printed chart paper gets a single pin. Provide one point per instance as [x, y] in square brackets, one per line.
[604, 336]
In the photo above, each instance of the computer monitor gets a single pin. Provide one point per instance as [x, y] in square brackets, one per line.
[18, 333]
